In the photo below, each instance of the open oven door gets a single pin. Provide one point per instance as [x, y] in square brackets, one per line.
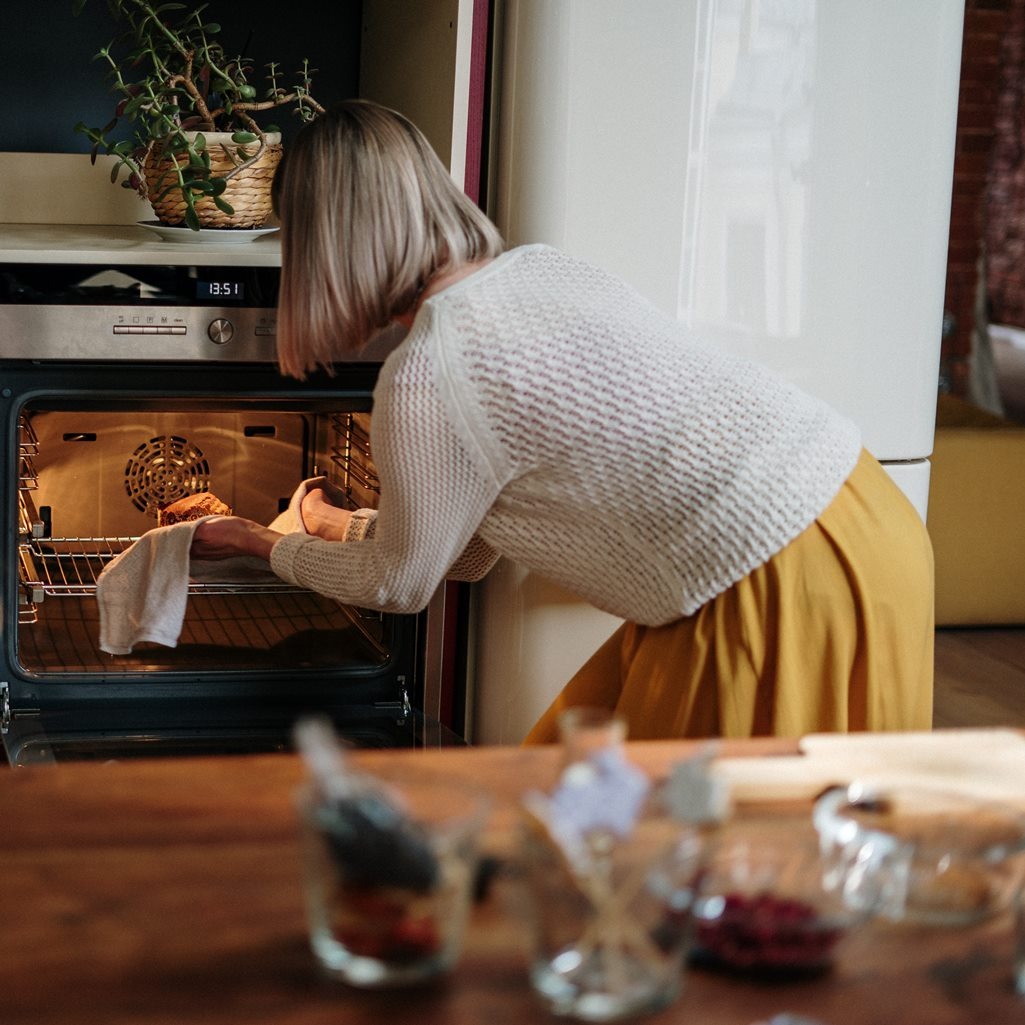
[96, 448]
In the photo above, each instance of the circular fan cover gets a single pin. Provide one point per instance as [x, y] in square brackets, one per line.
[164, 469]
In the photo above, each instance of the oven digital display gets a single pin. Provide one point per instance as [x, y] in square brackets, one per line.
[138, 285]
[230, 291]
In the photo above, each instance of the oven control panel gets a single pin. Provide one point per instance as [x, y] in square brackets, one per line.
[107, 311]
[132, 334]
[145, 313]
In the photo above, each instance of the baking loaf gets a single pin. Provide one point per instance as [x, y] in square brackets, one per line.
[192, 507]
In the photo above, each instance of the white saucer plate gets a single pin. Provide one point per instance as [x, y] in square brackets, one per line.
[205, 236]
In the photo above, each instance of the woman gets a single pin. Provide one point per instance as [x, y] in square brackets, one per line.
[773, 579]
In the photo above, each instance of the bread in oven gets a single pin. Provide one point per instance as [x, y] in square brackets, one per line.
[192, 507]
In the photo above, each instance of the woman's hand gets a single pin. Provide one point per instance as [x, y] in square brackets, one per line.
[225, 537]
[322, 518]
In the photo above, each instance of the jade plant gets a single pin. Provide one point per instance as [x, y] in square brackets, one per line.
[174, 82]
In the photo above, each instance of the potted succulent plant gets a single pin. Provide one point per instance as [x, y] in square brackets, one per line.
[197, 150]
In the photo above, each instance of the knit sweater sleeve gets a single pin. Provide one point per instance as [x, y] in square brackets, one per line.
[437, 485]
[478, 557]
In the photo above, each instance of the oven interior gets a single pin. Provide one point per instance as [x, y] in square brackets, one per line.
[255, 651]
[91, 482]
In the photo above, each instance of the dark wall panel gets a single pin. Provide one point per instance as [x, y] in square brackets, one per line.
[49, 82]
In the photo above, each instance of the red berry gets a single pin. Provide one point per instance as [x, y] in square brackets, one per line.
[765, 931]
[412, 938]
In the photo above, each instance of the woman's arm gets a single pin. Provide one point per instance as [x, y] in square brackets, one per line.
[436, 490]
[324, 519]
[225, 537]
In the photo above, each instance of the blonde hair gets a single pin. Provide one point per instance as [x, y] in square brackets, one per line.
[368, 214]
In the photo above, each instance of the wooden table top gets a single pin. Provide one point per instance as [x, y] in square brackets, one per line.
[167, 892]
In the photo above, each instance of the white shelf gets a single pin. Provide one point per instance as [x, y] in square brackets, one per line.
[126, 244]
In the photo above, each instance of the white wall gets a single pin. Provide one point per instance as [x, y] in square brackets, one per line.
[777, 175]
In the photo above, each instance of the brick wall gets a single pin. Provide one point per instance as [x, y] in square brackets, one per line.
[991, 79]
[1004, 206]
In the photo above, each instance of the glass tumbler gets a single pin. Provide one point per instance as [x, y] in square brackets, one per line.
[768, 906]
[608, 941]
[389, 877]
[933, 856]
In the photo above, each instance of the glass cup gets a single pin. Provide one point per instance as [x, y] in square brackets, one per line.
[928, 856]
[608, 941]
[389, 877]
[923, 855]
[768, 906]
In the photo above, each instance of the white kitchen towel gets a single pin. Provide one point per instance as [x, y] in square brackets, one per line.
[142, 593]
[291, 520]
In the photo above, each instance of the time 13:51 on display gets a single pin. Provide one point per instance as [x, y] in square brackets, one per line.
[234, 290]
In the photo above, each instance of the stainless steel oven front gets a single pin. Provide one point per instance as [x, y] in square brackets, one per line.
[124, 385]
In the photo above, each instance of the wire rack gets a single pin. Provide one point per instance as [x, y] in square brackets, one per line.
[70, 567]
[28, 481]
[28, 449]
[63, 567]
[350, 455]
[271, 614]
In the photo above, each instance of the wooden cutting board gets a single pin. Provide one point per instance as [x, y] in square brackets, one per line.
[985, 763]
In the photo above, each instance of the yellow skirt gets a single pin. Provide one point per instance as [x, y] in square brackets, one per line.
[834, 633]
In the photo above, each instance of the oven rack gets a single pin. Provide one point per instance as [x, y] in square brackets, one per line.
[350, 453]
[70, 566]
[28, 449]
[29, 523]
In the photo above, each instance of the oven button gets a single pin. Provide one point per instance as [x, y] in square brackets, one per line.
[148, 329]
[220, 331]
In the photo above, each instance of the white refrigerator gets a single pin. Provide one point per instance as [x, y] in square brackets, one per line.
[776, 174]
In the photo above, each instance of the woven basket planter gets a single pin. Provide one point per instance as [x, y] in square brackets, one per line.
[248, 192]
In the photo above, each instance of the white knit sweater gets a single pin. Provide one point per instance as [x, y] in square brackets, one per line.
[543, 410]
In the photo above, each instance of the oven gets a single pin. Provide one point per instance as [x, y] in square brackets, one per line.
[134, 374]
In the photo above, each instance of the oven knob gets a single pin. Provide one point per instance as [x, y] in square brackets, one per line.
[220, 331]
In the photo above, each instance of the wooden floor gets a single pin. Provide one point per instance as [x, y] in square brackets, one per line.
[980, 677]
